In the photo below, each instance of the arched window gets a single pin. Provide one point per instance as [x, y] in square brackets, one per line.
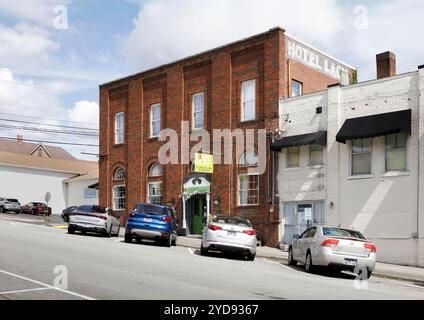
[119, 174]
[249, 159]
[155, 170]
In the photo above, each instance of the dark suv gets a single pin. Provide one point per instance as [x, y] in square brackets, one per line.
[9, 204]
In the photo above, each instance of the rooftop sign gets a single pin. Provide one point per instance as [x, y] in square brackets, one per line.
[318, 60]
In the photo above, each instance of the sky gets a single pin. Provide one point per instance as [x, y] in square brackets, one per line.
[55, 53]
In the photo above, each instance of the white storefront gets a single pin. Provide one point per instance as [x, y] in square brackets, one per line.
[372, 178]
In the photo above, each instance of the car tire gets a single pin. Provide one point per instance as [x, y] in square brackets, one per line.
[108, 234]
[32, 212]
[117, 232]
[174, 242]
[71, 230]
[168, 242]
[203, 251]
[309, 267]
[1, 210]
[290, 260]
[251, 257]
[128, 238]
[369, 274]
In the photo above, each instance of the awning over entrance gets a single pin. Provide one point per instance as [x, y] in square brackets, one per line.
[375, 126]
[94, 186]
[304, 139]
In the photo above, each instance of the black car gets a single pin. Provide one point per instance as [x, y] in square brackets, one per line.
[66, 212]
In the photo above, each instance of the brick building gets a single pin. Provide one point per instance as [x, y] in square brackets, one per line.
[238, 85]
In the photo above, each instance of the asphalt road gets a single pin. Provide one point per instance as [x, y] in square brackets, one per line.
[101, 268]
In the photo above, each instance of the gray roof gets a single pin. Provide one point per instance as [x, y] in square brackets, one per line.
[26, 148]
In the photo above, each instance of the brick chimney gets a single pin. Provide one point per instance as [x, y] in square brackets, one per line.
[386, 65]
[20, 138]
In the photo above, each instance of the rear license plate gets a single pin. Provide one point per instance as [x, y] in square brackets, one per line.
[350, 262]
[147, 219]
[231, 233]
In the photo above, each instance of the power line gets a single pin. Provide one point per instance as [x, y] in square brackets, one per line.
[35, 117]
[77, 133]
[46, 124]
[54, 142]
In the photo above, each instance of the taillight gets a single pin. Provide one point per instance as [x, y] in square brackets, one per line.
[167, 219]
[132, 214]
[249, 232]
[330, 243]
[370, 247]
[214, 227]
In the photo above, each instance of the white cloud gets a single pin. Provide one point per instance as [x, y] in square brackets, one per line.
[25, 44]
[39, 11]
[85, 112]
[165, 30]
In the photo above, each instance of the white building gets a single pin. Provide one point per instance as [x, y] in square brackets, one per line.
[353, 156]
[28, 171]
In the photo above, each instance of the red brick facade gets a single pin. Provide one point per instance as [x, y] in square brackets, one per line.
[219, 74]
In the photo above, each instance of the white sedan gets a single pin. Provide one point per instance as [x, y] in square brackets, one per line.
[90, 218]
[336, 248]
[229, 234]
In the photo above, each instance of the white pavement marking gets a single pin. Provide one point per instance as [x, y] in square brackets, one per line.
[27, 290]
[278, 263]
[47, 285]
[191, 251]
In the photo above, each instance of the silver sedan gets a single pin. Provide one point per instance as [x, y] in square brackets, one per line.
[229, 234]
[337, 248]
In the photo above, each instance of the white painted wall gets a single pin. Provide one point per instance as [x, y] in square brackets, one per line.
[382, 205]
[29, 185]
[76, 193]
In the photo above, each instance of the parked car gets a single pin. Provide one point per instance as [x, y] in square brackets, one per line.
[36, 208]
[337, 248]
[92, 218]
[66, 212]
[153, 222]
[9, 204]
[229, 234]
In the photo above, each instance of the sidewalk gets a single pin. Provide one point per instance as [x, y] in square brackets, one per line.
[383, 270]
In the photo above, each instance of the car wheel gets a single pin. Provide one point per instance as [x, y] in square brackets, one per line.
[308, 263]
[71, 230]
[203, 251]
[168, 242]
[1, 210]
[251, 257]
[174, 242]
[290, 260]
[32, 212]
[128, 238]
[117, 232]
[369, 274]
[108, 234]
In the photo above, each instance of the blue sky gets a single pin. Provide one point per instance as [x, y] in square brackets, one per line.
[54, 74]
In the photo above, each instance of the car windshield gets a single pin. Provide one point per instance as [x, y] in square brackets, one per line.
[232, 220]
[91, 209]
[12, 200]
[345, 233]
[38, 204]
[150, 209]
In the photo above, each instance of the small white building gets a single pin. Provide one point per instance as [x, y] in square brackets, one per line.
[28, 171]
[353, 156]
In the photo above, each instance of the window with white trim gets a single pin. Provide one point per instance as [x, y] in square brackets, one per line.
[154, 192]
[361, 156]
[248, 100]
[316, 155]
[155, 120]
[198, 107]
[119, 174]
[155, 170]
[293, 157]
[249, 159]
[119, 128]
[119, 197]
[395, 152]
[248, 189]
[297, 88]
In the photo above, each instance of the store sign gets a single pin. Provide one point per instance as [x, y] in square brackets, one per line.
[203, 163]
[317, 60]
[308, 214]
[197, 185]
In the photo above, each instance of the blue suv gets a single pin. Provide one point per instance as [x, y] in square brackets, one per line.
[153, 222]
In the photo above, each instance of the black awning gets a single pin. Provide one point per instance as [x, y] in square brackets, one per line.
[304, 139]
[375, 126]
[94, 186]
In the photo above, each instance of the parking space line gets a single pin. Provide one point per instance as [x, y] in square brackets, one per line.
[26, 290]
[191, 251]
[46, 285]
[278, 263]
